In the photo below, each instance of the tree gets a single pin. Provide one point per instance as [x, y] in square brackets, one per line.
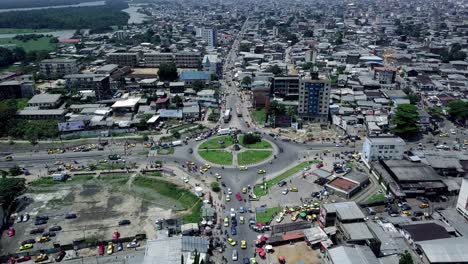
[338, 39]
[275, 69]
[309, 33]
[175, 134]
[6, 57]
[414, 98]
[246, 81]
[308, 66]
[168, 72]
[406, 258]
[458, 110]
[276, 109]
[198, 85]
[215, 187]
[250, 139]
[435, 112]
[15, 171]
[10, 188]
[177, 101]
[405, 120]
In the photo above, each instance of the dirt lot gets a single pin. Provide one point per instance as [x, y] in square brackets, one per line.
[296, 253]
[99, 205]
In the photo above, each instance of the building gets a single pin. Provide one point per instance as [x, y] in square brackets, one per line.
[447, 250]
[211, 63]
[120, 34]
[462, 202]
[348, 185]
[286, 87]
[57, 68]
[350, 255]
[98, 83]
[345, 212]
[383, 147]
[209, 36]
[385, 75]
[45, 101]
[123, 59]
[16, 89]
[42, 114]
[191, 76]
[260, 94]
[314, 99]
[187, 59]
[155, 59]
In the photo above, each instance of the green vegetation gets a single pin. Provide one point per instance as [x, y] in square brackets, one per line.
[24, 30]
[376, 197]
[262, 144]
[155, 174]
[214, 143]
[168, 72]
[143, 153]
[267, 215]
[220, 157]
[11, 4]
[165, 151]
[80, 178]
[44, 181]
[406, 258]
[10, 188]
[405, 120]
[187, 199]
[259, 192]
[259, 116]
[96, 18]
[458, 110]
[215, 186]
[253, 156]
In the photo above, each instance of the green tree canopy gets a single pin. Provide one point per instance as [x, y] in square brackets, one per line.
[458, 110]
[168, 72]
[247, 80]
[198, 85]
[177, 100]
[406, 258]
[275, 69]
[405, 120]
[249, 139]
[10, 188]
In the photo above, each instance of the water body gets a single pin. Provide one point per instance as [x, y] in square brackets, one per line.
[135, 17]
[94, 3]
[60, 34]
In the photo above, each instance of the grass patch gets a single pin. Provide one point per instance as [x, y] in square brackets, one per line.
[31, 45]
[282, 177]
[220, 157]
[114, 177]
[259, 191]
[44, 181]
[259, 116]
[187, 199]
[259, 145]
[267, 215]
[376, 197]
[24, 30]
[214, 144]
[155, 174]
[166, 151]
[253, 156]
[80, 178]
[182, 127]
[143, 153]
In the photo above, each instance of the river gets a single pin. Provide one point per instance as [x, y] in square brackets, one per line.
[94, 3]
[60, 34]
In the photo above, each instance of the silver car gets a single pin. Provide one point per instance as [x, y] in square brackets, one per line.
[234, 255]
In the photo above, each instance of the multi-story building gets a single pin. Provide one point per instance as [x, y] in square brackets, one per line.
[155, 59]
[57, 68]
[385, 75]
[99, 83]
[314, 99]
[286, 87]
[123, 58]
[383, 147]
[16, 89]
[462, 202]
[211, 63]
[209, 36]
[187, 59]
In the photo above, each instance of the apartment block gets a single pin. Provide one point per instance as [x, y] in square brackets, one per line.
[314, 99]
[57, 68]
[123, 59]
[383, 147]
[155, 59]
[187, 59]
[99, 83]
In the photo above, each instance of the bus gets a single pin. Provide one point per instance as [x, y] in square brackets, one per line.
[227, 116]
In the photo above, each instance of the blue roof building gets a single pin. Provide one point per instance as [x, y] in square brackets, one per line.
[195, 75]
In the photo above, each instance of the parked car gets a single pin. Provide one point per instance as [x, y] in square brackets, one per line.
[119, 246]
[41, 258]
[70, 216]
[43, 217]
[11, 232]
[22, 259]
[55, 228]
[36, 231]
[233, 230]
[234, 255]
[282, 183]
[40, 222]
[26, 246]
[101, 249]
[133, 244]
[28, 241]
[110, 248]
[124, 222]
[285, 191]
[59, 257]
[25, 218]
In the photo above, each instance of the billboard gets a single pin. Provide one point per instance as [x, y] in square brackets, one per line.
[71, 126]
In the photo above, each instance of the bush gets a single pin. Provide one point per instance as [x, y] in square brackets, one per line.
[215, 187]
[251, 139]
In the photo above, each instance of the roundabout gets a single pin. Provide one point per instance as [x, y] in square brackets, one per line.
[236, 150]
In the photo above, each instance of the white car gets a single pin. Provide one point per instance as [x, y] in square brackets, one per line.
[25, 217]
[233, 212]
[186, 180]
[279, 218]
[198, 138]
[285, 191]
[229, 191]
[234, 255]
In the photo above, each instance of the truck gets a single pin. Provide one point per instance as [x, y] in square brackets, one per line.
[176, 143]
[227, 116]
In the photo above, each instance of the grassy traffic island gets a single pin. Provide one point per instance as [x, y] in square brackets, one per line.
[220, 142]
[216, 156]
[249, 157]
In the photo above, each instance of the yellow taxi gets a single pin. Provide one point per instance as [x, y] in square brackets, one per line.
[8, 158]
[110, 248]
[294, 217]
[261, 171]
[226, 221]
[244, 190]
[41, 257]
[231, 242]
[408, 213]
[218, 176]
[243, 244]
[208, 166]
[293, 189]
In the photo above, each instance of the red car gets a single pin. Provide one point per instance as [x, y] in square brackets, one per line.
[116, 235]
[101, 249]
[22, 259]
[320, 165]
[238, 197]
[11, 232]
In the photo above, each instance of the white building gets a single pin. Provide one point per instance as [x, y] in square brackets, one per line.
[385, 147]
[57, 68]
[462, 202]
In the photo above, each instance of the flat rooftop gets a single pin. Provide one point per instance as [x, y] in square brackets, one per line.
[405, 170]
[342, 184]
[448, 250]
